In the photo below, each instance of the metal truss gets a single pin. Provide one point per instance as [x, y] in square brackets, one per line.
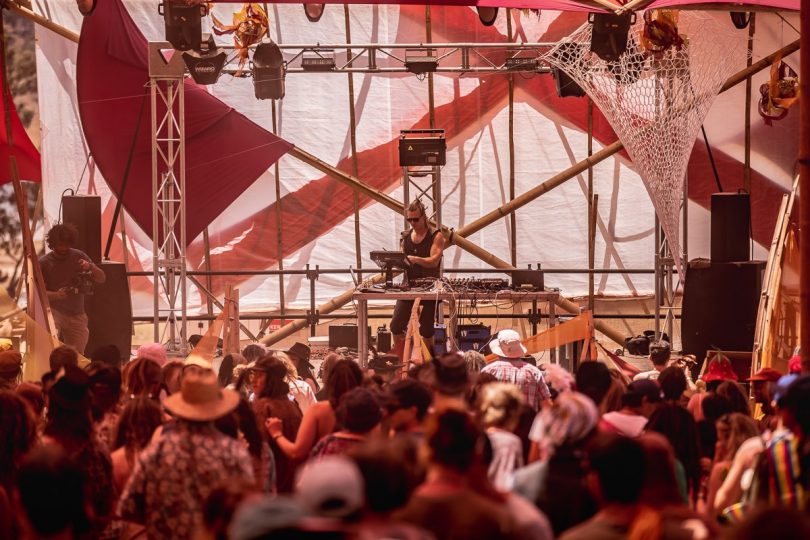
[168, 196]
[667, 281]
[473, 58]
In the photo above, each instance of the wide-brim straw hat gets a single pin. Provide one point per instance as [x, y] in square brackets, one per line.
[201, 399]
[508, 345]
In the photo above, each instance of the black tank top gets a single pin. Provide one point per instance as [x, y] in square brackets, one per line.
[422, 249]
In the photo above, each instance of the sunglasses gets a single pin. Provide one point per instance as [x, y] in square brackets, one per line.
[413, 219]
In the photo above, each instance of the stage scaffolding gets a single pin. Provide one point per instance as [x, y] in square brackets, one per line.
[168, 196]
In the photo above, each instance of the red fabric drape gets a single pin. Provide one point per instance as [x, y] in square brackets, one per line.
[225, 151]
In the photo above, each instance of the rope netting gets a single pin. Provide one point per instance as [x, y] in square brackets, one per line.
[656, 95]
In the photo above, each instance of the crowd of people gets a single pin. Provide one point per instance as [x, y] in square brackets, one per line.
[258, 445]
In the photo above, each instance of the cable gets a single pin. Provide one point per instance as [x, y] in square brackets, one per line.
[59, 214]
[81, 177]
[711, 159]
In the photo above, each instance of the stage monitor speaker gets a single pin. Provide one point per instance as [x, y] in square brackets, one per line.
[345, 335]
[720, 304]
[109, 311]
[731, 227]
[84, 213]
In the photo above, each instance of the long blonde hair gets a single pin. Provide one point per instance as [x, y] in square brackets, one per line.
[292, 371]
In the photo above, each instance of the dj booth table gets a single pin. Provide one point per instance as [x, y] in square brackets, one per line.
[452, 297]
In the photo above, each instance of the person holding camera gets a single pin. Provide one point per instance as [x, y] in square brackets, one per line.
[69, 275]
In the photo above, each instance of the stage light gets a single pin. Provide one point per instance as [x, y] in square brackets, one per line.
[183, 23]
[268, 71]
[487, 15]
[318, 60]
[740, 19]
[421, 61]
[206, 63]
[314, 12]
[609, 34]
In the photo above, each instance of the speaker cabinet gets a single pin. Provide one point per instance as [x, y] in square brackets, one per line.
[109, 311]
[84, 213]
[345, 335]
[731, 227]
[720, 304]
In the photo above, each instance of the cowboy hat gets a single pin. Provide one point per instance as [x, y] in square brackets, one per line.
[507, 344]
[201, 399]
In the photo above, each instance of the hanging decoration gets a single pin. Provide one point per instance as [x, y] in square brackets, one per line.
[660, 31]
[780, 92]
[249, 26]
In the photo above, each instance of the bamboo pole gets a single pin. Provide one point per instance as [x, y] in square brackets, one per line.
[39, 19]
[353, 141]
[207, 266]
[804, 185]
[591, 214]
[748, 104]
[512, 216]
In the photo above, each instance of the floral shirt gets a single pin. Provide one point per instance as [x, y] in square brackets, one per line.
[175, 473]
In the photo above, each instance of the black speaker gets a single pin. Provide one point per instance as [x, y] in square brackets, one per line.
[345, 335]
[84, 213]
[109, 311]
[566, 86]
[720, 302]
[731, 227]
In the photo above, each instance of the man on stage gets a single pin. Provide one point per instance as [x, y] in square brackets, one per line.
[423, 245]
[68, 274]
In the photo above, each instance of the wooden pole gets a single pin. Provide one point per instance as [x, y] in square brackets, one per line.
[512, 216]
[804, 185]
[207, 266]
[353, 141]
[748, 104]
[279, 240]
[39, 19]
[591, 213]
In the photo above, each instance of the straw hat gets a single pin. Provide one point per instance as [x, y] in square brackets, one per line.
[507, 344]
[201, 399]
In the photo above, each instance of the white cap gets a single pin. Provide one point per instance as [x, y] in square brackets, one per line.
[508, 344]
[331, 487]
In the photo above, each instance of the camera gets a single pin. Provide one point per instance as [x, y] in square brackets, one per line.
[82, 283]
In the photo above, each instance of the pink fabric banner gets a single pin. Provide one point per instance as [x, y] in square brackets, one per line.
[225, 151]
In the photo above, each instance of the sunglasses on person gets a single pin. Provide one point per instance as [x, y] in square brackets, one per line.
[413, 219]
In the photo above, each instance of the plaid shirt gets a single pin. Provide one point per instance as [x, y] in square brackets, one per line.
[528, 378]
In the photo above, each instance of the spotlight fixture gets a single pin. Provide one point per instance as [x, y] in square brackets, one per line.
[487, 15]
[206, 63]
[183, 23]
[268, 70]
[609, 34]
[314, 12]
[318, 60]
[421, 61]
[740, 19]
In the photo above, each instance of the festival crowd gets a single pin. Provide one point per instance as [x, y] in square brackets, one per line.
[258, 445]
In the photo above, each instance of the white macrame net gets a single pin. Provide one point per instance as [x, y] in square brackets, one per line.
[656, 103]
